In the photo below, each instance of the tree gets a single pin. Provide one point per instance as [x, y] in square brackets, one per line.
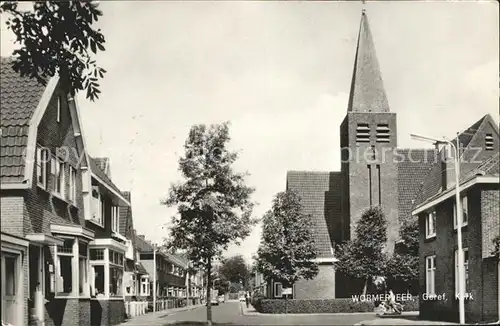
[213, 203]
[403, 267]
[363, 257]
[287, 251]
[57, 37]
[235, 270]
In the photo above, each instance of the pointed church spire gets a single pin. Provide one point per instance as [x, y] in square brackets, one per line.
[367, 90]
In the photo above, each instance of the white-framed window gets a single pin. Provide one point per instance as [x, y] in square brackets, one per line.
[82, 265]
[145, 286]
[115, 273]
[72, 184]
[430, 224]
[42, 159]
[115, 218]
[59, 179]
[59, 105]
[64, 268]
[97, 207]
[466, 270]
[430, 275]
[465, 210]
[278, 290]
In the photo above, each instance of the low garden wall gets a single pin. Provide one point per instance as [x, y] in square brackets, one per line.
[295, 306]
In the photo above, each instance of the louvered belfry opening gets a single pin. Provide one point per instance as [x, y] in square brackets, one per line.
[488, 142]
[383, 133]
[363, 133]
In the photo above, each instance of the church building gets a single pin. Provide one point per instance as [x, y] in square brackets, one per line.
[374, 172]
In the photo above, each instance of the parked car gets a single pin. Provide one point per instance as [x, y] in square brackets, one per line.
[214, 301]
[222, 298]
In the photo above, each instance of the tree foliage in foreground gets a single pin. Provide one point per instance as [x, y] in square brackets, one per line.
[213, 203]
[363, 257]
[287, 251]
[57, 37]
[403, 268]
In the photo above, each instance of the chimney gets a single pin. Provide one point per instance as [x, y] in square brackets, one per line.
[126, 194]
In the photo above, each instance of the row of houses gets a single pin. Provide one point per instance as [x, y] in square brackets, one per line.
[408, 184]
[69, 252]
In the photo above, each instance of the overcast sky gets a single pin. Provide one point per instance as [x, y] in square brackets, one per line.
[280, 72]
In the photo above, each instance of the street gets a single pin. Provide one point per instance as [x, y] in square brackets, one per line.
[230, 313]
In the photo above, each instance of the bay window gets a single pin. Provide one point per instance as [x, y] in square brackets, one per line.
[64, 262]
[107, 267]
[82, 265]
[97, 264]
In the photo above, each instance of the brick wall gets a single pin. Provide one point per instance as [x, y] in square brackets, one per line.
[11, 205]
[357, 175]
[71, 312]
[482, 283]
[107, 312]
[322, 286]
[41, 208]
[490, 208]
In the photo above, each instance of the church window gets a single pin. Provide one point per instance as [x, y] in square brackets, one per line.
[363, 133]
[383, 133]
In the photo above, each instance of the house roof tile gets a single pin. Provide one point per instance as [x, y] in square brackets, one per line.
[19, 98]
[433, 182]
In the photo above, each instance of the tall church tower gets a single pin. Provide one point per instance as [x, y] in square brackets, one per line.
[368, 140]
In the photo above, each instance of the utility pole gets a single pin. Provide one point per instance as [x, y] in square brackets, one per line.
[154, 277]
[459, 212]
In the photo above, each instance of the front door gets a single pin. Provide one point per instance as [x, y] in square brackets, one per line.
[10, 281]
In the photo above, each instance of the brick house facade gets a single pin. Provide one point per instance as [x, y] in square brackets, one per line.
[171, 272]
[51, 230]
[436, 212]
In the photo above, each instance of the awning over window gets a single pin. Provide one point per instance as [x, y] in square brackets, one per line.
[44, 239]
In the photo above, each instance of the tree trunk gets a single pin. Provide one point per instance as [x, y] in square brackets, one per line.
[209, 285]
[365, 287]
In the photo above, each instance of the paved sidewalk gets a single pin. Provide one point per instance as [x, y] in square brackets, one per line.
[402, 321]
[155, 318]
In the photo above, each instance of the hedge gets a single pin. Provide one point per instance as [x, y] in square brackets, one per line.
[317, 306]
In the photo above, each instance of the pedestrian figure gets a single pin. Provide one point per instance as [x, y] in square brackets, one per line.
[247, 299]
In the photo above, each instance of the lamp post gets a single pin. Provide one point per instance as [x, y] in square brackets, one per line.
[460, 255]
[154, 278]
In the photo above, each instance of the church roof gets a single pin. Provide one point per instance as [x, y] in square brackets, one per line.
[320, 194]
[367, 92]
